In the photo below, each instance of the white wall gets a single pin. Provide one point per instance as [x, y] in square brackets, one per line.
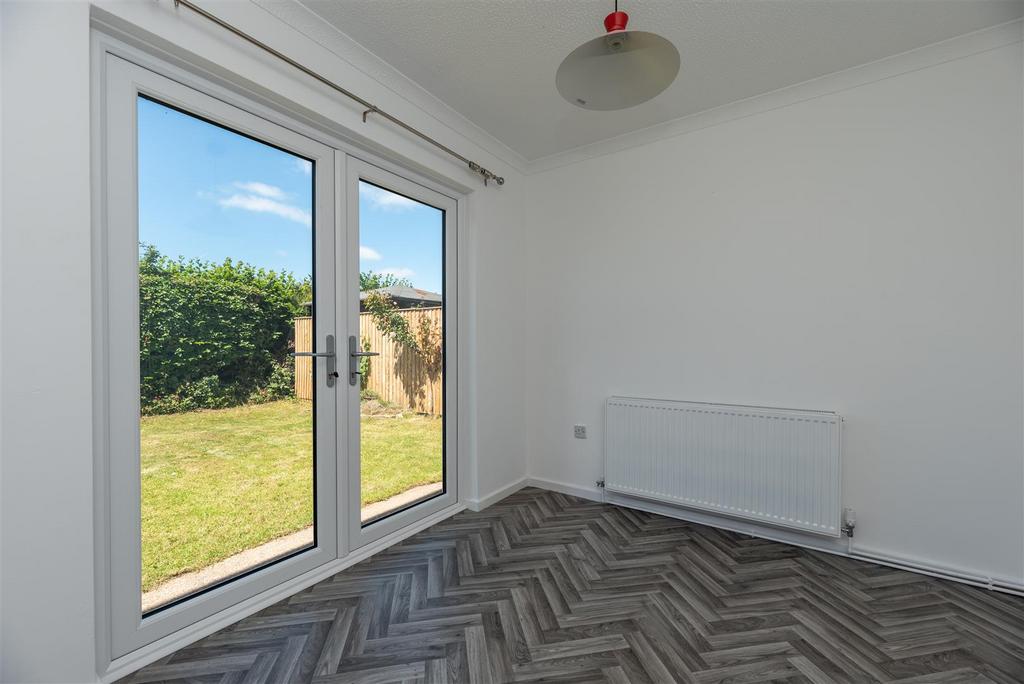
[46, 561]
[48, 624]
[859, 251]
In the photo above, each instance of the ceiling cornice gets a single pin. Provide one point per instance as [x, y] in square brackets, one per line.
[923, 57]
[307, 22]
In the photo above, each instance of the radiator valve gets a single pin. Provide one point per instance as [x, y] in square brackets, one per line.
[849, 521]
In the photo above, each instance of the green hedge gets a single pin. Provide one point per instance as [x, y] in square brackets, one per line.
[214, 335]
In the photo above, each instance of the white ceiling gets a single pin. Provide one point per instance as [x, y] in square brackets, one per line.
[494, 61]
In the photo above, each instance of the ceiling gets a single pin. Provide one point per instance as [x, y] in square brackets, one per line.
[494, 61]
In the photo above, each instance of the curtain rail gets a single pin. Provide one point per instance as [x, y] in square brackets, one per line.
[370, 107]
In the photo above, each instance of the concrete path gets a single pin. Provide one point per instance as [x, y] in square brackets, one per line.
[190, 582]
[407, 497]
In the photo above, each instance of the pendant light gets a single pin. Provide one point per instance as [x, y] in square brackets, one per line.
[619, 69]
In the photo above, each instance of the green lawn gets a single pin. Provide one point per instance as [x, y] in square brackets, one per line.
[218, 482]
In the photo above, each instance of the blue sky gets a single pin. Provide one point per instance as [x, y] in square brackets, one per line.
[209, 193]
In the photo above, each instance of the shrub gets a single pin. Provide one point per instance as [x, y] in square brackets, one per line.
[280, 385]
[213, 335]
[204, 393]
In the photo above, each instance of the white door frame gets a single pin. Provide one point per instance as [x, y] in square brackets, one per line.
[348, 297]
[120, 329]
[108, 43]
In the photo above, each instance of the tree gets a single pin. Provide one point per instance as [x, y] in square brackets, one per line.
[370, 280]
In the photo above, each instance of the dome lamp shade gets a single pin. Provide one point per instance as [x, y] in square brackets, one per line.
[618, 70]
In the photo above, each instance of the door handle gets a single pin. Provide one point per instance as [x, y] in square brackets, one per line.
[354, 354]
[328, 353]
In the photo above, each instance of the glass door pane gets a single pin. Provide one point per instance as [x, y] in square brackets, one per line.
[401, 345]
[218, 263]
[225, 262]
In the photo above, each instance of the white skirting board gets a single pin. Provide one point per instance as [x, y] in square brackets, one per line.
[496, 496]
[810, 541]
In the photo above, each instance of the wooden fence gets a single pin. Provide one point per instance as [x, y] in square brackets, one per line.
[304, 364]
[398, 376]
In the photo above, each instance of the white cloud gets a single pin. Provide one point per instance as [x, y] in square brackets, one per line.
[304, 166]
[384, 199]
[368, 253]
[267, 206]
[262, 189]
[402, 272]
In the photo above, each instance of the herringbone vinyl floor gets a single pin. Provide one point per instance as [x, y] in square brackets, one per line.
[544, 587]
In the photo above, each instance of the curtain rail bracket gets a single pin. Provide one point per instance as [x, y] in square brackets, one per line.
[371, 110]
[486, 173]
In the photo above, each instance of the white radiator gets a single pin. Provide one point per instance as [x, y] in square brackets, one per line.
[776, 466]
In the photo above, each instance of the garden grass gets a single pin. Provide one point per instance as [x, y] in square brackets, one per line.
[218, 482]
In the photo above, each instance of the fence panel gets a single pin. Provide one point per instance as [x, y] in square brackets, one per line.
[304, 364]
[398, 376]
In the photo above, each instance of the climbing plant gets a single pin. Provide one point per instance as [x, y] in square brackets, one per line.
[364, 364]
[390, 322]
[428, 346]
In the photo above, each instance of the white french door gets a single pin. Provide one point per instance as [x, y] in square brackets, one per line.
[171, 469]
[277, 391]
[388, 213]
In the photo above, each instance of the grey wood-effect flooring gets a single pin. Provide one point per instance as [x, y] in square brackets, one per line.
[544, 587]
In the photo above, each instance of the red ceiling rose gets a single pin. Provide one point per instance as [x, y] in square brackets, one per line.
[616, 21]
